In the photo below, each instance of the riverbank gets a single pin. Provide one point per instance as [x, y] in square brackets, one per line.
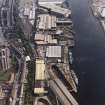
[89, 54]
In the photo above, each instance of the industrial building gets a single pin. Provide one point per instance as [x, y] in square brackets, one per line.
[57, 9]
[51, 1]
[40, 80]
[39, 37]
[63, 22]
[47, 22]
[103, 13]
[5, 58]
[44, 39]
[54, 51]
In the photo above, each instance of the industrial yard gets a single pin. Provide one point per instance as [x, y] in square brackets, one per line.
[37, 53]
[98, 8]
[53, 38]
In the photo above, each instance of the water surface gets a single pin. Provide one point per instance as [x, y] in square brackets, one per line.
[89, 54]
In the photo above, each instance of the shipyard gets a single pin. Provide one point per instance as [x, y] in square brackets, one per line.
[36, 53]
[52, 52]
[53, 38]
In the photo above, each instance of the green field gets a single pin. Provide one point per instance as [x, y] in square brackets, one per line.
[4, 76]
[2, 102]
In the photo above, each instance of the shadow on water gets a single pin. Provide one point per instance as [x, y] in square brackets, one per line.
[89, 54]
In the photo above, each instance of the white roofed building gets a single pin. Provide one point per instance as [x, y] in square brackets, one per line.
[42, 39]
[54, 52]
[51, 1]
[47, 22]
[103, 13]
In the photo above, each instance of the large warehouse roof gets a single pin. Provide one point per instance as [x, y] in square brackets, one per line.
[47, 21]
[40, 69]
[44, 39]
[54, 52]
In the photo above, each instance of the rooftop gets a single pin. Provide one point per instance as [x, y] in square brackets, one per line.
[51, 1]
[103, 12]
[44, 39]
[47, 22]
[54, 52]
[40, 69]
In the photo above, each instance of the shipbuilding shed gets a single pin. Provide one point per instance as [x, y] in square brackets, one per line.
[51, 1]
[47, 22]
[54, 53]
[45, 39]
[40, 78]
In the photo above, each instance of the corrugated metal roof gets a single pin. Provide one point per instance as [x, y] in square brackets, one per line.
[41, 42]
[54, 51]
[39, 37]
[103, 12]
[47, 21]
[38, 90]
[40, 70]
[26, 11]
[45, 39]
[51, 1]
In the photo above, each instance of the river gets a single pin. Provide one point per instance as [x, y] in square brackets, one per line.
[89, 54]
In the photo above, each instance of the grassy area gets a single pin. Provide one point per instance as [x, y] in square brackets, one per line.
[2, 102]
[5, 75]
